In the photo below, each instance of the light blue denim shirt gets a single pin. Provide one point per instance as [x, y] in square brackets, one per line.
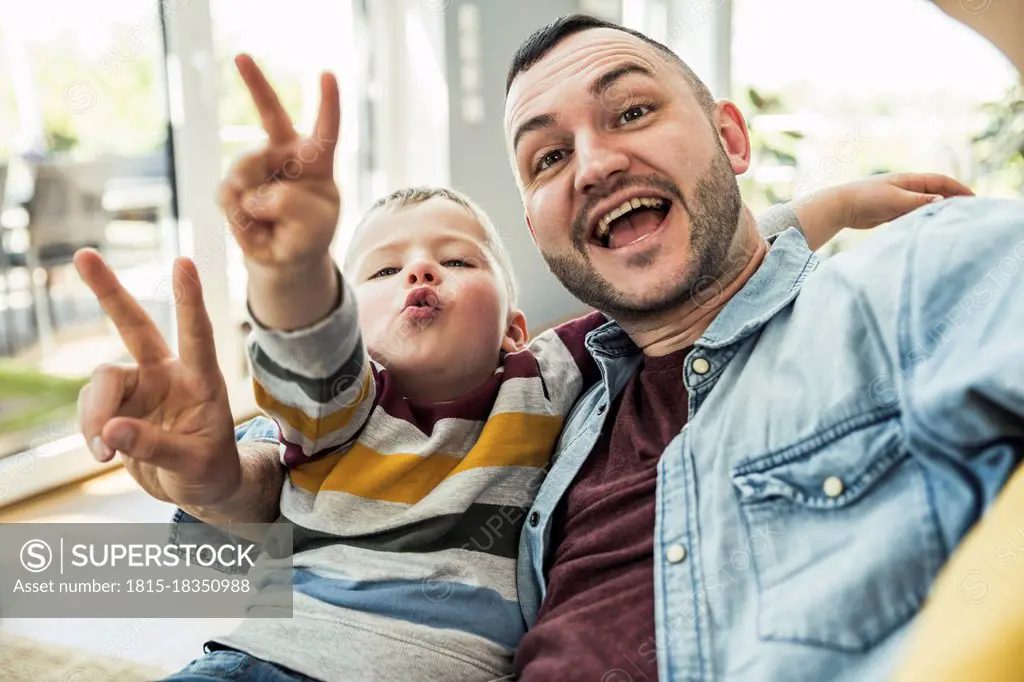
[848, 421]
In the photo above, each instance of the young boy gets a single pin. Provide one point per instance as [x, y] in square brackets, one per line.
[416, 422]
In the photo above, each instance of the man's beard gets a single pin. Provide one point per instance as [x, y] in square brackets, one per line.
[714, 218]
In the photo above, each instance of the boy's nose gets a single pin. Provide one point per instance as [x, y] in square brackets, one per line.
[424, 272]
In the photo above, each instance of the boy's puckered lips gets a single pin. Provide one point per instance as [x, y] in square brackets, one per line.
[422, 302]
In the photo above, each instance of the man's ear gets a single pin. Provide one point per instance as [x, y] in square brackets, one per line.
[529, 224]
[516, 335]
[732, 133]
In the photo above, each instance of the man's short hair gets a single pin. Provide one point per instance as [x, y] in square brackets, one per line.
[544, 39]
[412, 196]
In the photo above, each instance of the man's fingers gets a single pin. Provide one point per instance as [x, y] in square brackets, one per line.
[145, 442]
[195, 331]
[328, 119]
[137, 330]
[276, 121]
[100, 401]
[89, 431]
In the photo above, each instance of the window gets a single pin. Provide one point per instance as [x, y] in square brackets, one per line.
[84, 161]
[133, 110]
[840, 90]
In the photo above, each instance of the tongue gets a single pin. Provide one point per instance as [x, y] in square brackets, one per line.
[633, 226]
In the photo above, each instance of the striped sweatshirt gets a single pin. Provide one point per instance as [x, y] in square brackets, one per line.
[406, 517]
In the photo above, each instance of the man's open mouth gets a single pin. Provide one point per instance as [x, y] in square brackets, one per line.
[630, 221]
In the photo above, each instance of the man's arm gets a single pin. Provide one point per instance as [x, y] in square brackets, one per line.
[258, 497]
[248, 513]
[973, 624]
[959, 365]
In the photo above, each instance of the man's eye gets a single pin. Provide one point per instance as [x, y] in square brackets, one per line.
[634, 112]
[384, 272]
[549, 160]
[456, 263]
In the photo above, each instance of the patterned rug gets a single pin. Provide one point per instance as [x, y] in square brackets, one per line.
[26, 660]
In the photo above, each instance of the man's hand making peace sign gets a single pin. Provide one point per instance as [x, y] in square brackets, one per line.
[169, 416]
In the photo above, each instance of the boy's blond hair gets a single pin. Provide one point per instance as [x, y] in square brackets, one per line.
[412, 196]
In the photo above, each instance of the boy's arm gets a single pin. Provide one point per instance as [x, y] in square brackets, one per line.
[283, 206]
[317, 383]
[311, 373]
[867, 203]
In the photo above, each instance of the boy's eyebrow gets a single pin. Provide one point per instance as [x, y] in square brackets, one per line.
[398, 244]
[597, 88]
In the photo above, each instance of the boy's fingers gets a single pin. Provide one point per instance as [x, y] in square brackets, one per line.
[328, 120]
[195, 331]
[932, 183]
[267, 203]
[276, 121]
[287, 205]
[137, 330]
[250, 171]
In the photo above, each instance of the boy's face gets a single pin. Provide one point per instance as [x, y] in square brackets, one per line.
[430, 298]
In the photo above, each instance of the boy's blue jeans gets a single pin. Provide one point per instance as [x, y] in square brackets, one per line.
[229, 664]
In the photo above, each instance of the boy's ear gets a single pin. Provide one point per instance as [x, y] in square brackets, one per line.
[516, 335]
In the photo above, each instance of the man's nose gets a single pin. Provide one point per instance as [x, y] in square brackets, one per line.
[423, 272]
[599, 163]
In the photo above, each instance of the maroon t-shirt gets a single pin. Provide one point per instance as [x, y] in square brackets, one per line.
[598, 614]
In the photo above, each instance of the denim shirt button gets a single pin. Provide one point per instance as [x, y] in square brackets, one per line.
[701, 366]
[534, 519]
[833, 486]
[675, 554]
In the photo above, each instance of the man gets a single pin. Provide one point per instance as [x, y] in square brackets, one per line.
[842, 431]
[788, 530]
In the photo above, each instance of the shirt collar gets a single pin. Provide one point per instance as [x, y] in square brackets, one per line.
[775, 283]
[772, 287]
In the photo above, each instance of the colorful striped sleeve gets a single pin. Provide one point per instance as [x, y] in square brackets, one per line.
[566, 366]
[317, 384]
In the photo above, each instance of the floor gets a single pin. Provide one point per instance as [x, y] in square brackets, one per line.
[168, 643]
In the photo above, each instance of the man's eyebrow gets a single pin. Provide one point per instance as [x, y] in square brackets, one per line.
[598, 87]
[533, 124]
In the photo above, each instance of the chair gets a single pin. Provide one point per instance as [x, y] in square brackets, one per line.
[65, 214]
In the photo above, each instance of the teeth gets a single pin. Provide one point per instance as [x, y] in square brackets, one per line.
[622, 209]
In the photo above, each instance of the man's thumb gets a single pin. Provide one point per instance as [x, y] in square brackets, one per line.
[144, 441]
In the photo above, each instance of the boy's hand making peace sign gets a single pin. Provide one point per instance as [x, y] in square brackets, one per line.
[283, 206]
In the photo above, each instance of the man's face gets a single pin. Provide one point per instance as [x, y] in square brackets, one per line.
[604, 119]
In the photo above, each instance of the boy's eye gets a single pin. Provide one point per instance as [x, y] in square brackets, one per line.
[384, 272]
[456, 263]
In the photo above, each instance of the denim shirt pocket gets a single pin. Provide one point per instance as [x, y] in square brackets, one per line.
[850, 540]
